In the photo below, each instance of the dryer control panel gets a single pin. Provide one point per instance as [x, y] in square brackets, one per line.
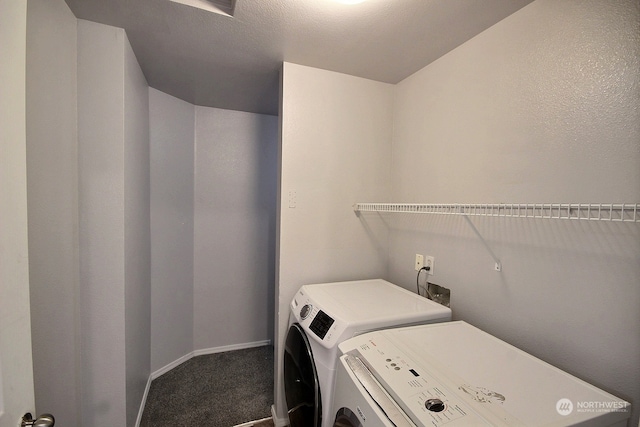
[319, 324]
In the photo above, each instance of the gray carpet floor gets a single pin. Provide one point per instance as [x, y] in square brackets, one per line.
[215, 390]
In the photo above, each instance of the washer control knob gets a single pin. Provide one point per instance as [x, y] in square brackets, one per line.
[434, 405]
[305, 311]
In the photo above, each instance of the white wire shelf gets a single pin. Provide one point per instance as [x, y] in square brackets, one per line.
[622, 212]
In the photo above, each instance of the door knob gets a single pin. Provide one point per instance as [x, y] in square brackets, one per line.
[44, 420]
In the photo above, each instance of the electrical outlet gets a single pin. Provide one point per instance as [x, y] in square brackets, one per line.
[430, 261]
[419, 262]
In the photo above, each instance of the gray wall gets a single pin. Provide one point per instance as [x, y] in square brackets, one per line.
[542, 107]
[88, 169]
[172, 153]
[113, 162]
[137, 233]
[91, 174]
[101, 202]
[97, 190]
[335, 150]
[234, 227]
[213, 203]
[16, 375]
[52, 165]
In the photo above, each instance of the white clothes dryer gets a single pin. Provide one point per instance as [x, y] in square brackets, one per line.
[324, 315]
[454, 375]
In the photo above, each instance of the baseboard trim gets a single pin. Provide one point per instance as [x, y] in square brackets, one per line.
[252, 423]
[186, 357]
[204, 351]
[230, 348]
[171, 365]
[144, 401]
[281, 422]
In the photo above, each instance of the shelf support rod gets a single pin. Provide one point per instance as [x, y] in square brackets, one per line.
[498, 264]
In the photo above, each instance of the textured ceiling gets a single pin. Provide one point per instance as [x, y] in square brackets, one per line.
[227, 62]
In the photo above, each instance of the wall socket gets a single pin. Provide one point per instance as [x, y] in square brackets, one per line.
[430, 262]
[425, 261]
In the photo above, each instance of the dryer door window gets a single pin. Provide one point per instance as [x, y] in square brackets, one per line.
[301, 387]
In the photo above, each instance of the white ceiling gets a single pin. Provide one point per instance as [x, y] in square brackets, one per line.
[227, 62]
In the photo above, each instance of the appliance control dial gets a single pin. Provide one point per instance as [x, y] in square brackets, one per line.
[305, 311]
[434, 405]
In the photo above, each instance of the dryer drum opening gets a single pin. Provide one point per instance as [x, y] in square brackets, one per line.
[302, 390]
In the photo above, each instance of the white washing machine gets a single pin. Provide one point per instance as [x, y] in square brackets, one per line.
[454, 374]
[324, 315]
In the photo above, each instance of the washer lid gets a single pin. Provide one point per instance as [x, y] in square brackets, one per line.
[473, 372]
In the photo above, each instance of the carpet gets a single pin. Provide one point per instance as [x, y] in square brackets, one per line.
[215, 390]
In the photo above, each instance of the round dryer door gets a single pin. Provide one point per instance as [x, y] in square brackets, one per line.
[301, 387]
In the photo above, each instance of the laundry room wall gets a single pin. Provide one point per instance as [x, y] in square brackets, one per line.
[213, 204]
[88, 177]
[16, 375]
[172, 128]
[52, 168]
[541, 107]
[114, 243]
[90, 198]
[137, 234]
[335, 149]
[234, 227]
